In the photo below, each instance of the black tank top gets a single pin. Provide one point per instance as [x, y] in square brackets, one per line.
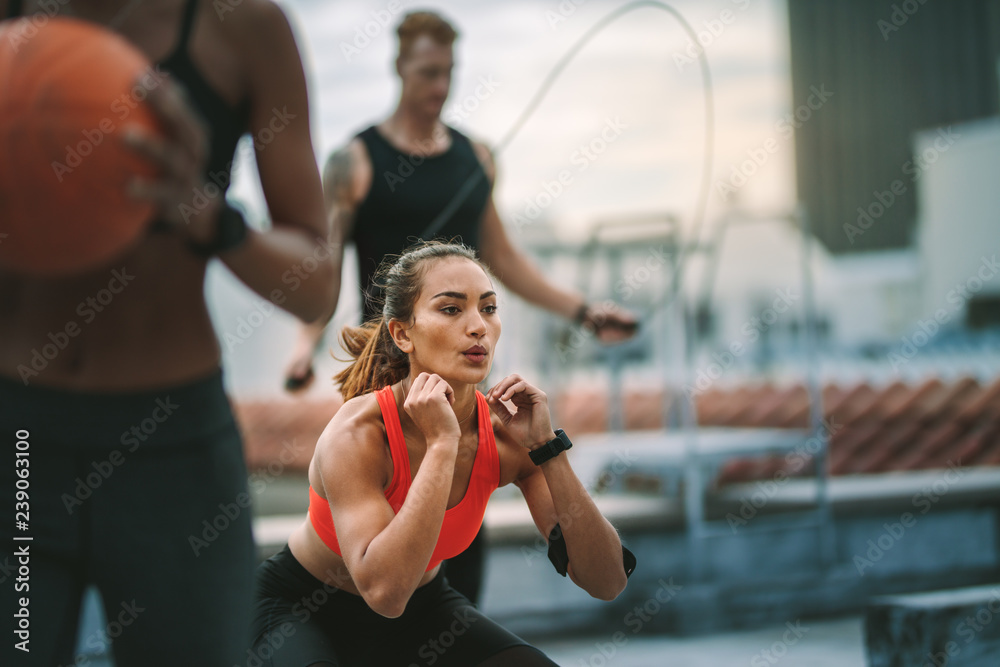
[407, 194]
[226, 124]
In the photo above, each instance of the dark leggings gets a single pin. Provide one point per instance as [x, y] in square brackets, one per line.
[299, 621]
[142, 495]
[465, 571]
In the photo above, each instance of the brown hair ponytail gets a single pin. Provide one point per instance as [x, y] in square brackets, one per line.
[377, 360]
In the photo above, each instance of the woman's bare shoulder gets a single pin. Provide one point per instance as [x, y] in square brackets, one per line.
[355, 435]
[359, 418]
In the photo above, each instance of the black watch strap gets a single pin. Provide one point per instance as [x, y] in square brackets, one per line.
[230, 232]
[551, 449]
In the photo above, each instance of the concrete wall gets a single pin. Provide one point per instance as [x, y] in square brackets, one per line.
[959, 215]
[768, 571]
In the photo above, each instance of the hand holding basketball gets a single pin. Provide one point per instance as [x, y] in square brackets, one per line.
[179, 153]
[69, 92]
[95, 143]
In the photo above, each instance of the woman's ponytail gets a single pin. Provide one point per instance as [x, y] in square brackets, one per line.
[377, 360]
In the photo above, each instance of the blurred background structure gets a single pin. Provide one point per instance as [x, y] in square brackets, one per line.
[809, 419]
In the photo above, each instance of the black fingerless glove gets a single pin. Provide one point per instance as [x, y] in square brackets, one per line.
[560, 559]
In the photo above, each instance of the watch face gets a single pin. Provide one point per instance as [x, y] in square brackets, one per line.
[564, 442]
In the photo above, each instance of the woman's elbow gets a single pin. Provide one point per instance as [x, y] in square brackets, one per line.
[385, 601]
[325, 290]
[609, 589]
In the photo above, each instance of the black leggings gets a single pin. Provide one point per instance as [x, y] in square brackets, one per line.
[465, 571]
[143, 495]
[299, 621]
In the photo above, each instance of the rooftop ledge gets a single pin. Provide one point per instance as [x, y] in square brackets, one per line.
[508, 519]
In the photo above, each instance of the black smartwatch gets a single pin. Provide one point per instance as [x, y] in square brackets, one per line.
[551, 449]
[230, 232]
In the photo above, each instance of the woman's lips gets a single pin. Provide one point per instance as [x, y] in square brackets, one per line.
[476, 354]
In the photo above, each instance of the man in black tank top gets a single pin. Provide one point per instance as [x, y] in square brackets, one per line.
[412, 177]
[406, 195]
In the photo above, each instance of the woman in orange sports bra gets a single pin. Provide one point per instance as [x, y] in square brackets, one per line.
[400, 480]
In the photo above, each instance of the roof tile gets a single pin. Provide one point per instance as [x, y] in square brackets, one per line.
[899, 427]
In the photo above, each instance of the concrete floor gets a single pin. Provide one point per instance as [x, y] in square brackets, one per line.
[819, 643]
[825, 643]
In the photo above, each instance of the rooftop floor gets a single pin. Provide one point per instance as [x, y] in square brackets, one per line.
[819, 643]
[825, 643]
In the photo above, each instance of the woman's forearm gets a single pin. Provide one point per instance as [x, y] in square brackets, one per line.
[592, 543]
[285, 266]
[397, 558]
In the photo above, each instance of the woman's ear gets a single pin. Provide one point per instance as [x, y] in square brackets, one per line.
[400, 335]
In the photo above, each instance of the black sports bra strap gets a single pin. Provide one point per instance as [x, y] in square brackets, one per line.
[13, 9]
[187, 22]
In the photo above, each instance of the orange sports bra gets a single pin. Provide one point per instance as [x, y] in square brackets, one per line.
[461, 522]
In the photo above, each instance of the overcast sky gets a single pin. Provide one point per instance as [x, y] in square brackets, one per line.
[635, 87]
[636, 83]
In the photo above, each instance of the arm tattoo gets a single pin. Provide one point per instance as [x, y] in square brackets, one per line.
[337, 176]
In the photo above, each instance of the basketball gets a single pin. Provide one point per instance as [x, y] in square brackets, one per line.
[70, 90]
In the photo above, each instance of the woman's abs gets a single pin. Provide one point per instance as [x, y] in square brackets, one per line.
[138, 323]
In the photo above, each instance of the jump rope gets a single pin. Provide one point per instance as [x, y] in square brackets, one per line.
[549, 81]
[688, 409]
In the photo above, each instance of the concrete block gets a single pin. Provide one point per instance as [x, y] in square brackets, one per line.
[953, 628]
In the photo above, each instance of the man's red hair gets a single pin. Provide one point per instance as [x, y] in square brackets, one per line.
[431, 24]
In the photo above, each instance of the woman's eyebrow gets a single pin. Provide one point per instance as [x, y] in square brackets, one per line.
[463, 295]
